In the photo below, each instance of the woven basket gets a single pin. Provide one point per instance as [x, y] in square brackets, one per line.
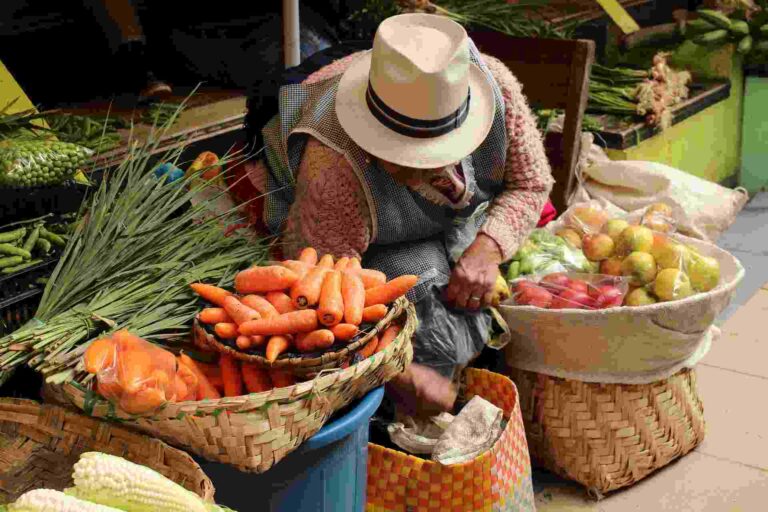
[39, 444]
[497, 480]
[609, 436]
[299, 364]
[253, 432]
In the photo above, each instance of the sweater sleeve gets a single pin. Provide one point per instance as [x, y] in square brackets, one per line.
[329, 212]
[527, 175]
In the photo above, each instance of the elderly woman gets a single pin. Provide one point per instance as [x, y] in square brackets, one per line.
[422, 157]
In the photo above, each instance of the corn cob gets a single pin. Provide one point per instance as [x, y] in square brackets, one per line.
[716, 18]
[48, 500]
[110, 480]
[37, 162]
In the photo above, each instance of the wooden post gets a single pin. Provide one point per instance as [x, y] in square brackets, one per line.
[291, 38]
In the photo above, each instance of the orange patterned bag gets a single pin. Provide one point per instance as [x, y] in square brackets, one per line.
[497, 480]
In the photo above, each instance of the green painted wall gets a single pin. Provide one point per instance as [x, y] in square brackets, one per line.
[707, 144]
[754, 154]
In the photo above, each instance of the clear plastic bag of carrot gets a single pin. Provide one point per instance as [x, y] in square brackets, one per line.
[304, 305]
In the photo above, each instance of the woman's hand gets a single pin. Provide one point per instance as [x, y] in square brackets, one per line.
[474, 277]
[422, 392]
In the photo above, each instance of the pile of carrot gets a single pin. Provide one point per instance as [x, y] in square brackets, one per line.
[306, 305]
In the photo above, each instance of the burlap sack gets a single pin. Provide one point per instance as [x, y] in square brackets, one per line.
[625, 345]
[702, 209]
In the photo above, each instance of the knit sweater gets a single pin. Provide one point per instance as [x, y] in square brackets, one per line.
[330, 211]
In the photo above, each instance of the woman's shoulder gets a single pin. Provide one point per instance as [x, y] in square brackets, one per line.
[504, 77]
[335, 68]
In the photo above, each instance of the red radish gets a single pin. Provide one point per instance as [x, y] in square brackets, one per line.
[608, 297]
[572, 299]
[519, 286]
[579, 286]
[555, 283]
[534, 296]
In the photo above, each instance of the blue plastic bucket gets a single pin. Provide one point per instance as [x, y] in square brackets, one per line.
[325, 474]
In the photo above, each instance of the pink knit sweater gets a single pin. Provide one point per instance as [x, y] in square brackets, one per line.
[331, 214]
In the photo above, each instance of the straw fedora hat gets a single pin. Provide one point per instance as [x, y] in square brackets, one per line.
[415, 99]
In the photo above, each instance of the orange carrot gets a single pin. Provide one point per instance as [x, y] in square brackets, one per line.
[265, 279]
[239, 312]
[226, 331]
[354, 265]
[181, 391]
[243, 342]
[260, 304]
[281, 379]
[209, 369]
[133, 369]
[388, 337]
[315, 340]
[258, 340]
[330, 310]
[326, 262]
[306, 292]
[230, 374]
[281, 301]
[309, 256]
[204, 387]
[388, 293]
[212, 294]
[256, 379]
[100, 355]
[299, 267]
[189, 378]
[289, 323]
[369, 349]
[342, 264]
[214, 316]
[217, 382]
[371, 278]
[276, 346]
[142, 401]
[127, 341]
[373, 314]
[353, 294]
[344, 332]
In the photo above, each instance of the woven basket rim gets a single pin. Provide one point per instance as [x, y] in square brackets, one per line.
[43, 410]
[322, 383]
[325, 360]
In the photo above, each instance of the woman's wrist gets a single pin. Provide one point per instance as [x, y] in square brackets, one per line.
[486, 247]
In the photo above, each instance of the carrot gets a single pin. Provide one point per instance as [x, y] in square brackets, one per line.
[353, 294]
[226, 331]
[230, 374]
[239, 312]
[191, 382]
[256, 379]
[289, 323]
[373, 314]
[127, 341]
[214, 316]
[326, 262]
[330, 310]
[371, 278]
[276, 346]
[281, 301]
[133, 369]
[369, 349]
[354, 265]
[100, 355]
[260, 304]
[388, 337]
[299, 267]
[265, 279]
[217, 382]
[306, 292]
[309, 256]
[212, 294]
[342, 264]
[315, 340]
[142, 401]
[281, 379]
[388, 293]
[204, 387]
[243, 342]
[210, 370]
[344, 332]
[181, 391]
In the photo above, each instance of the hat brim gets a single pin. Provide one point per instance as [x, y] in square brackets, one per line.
[378, 140]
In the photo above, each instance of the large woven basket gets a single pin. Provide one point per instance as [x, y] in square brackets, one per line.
[39, 444]
[253, 432]
[497, 480]
[609, 436]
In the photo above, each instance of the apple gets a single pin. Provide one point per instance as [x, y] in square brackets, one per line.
[640, 267]
[555, 283]
[611, 266]
[572, 299]
[571, 237]
[534, 296]
[635, 239]
[597, 247]
[614, 227]
[704, 272]
[673, 255]
[672, 284]
[639, 297]
[587, 219]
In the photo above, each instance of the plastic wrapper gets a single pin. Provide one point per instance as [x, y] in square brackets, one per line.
[39, 162]
[133, 374]
[570, 291]
[545, 253]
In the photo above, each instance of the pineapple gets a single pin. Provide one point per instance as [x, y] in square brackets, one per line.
[39, 162]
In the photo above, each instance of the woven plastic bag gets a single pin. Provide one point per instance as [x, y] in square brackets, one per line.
[702, 209]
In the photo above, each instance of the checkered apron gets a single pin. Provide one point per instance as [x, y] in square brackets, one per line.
[411, 235]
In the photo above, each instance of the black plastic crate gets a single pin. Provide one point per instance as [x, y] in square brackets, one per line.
[18, 203]
[20, 294]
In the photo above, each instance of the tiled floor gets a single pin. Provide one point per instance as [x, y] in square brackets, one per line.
[728, 472]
